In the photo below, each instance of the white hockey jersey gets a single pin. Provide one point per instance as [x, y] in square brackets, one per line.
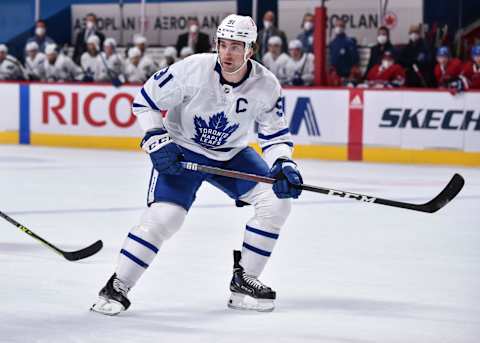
[110, 67]
[35, 68]
[303, 68]
[211, 117]
[91, 65]
[11, 69]
[277, 66]
[64, 69]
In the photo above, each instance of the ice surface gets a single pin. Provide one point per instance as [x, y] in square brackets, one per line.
[344, 271]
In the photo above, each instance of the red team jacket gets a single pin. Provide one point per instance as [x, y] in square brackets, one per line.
[393, 75]
[471, 72]
[448, 74]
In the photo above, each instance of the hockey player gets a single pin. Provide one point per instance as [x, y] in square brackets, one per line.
[147, 63]
[387, 74]
[275, 60]
[212, 102]
[34, 62]
[133, 71]
[448, 69]
[90, 60]
[59, 67]
[471, 70]
[10, 67]
[112, 65]
[299, 68]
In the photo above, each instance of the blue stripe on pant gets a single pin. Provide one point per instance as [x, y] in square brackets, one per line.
[256, 250]
[134, 258]
[143, 242]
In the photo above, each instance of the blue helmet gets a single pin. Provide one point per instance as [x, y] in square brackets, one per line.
[443, 51]
[476, 50]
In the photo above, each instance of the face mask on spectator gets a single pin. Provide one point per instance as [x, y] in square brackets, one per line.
[382, 39]
[386, 64]
[267, 24]
[194, 28]
[90, 25]
[339, 30]
[308, 25]
[40, 31]
[414, 36]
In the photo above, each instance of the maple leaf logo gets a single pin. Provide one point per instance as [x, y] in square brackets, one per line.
[215, 133]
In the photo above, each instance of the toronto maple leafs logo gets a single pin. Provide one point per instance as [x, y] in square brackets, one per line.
[215, 133]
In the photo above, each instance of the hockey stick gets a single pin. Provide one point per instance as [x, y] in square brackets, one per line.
[69, 255]
[444, 197]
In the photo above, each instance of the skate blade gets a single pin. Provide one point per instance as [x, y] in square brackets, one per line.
[107, 307]
[244, 302]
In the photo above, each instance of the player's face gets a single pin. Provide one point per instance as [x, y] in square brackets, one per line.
[296, 53]
[3, 55]
[442, 60]
[32, 53]
[476, 59]
[274, 49]
[92, 48]
[108, 49]
[231, 54]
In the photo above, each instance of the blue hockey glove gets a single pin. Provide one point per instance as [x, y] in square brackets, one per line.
[287, 175]
[164, 153]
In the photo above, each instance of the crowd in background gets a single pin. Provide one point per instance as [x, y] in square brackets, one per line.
[95, 58]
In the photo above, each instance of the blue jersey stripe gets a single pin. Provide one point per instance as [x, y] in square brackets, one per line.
[149, 100]
[256, 250]
[290, 144]
[134, 258]
[274, 135]
[143, 242]
[138, 105]
[262, 233]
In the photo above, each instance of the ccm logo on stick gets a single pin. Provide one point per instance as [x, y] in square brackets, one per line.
[54, 105]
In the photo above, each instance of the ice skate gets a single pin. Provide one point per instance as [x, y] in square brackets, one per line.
[112, 298]
[248, 293]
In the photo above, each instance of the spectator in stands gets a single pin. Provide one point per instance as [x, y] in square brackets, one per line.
[90, 60]
[40, 37]
[34, 62]
[447, 70]
[383, 44]
[343, 53]
[10, 67]
[387, 74]
[133, 69]
[185, 52]
[471, 70]
[306, 37]
[299, 68]
[59, 67]
[89, 30]
[195, 39]
[169, 56]
[275, 59]
[416, 60]
[112, 65]
[269, 30]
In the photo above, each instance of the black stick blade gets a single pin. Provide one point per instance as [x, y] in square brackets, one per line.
[445, 196]
[83, 253]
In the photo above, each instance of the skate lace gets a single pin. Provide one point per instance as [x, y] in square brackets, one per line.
[120, 287]
[253, 282]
